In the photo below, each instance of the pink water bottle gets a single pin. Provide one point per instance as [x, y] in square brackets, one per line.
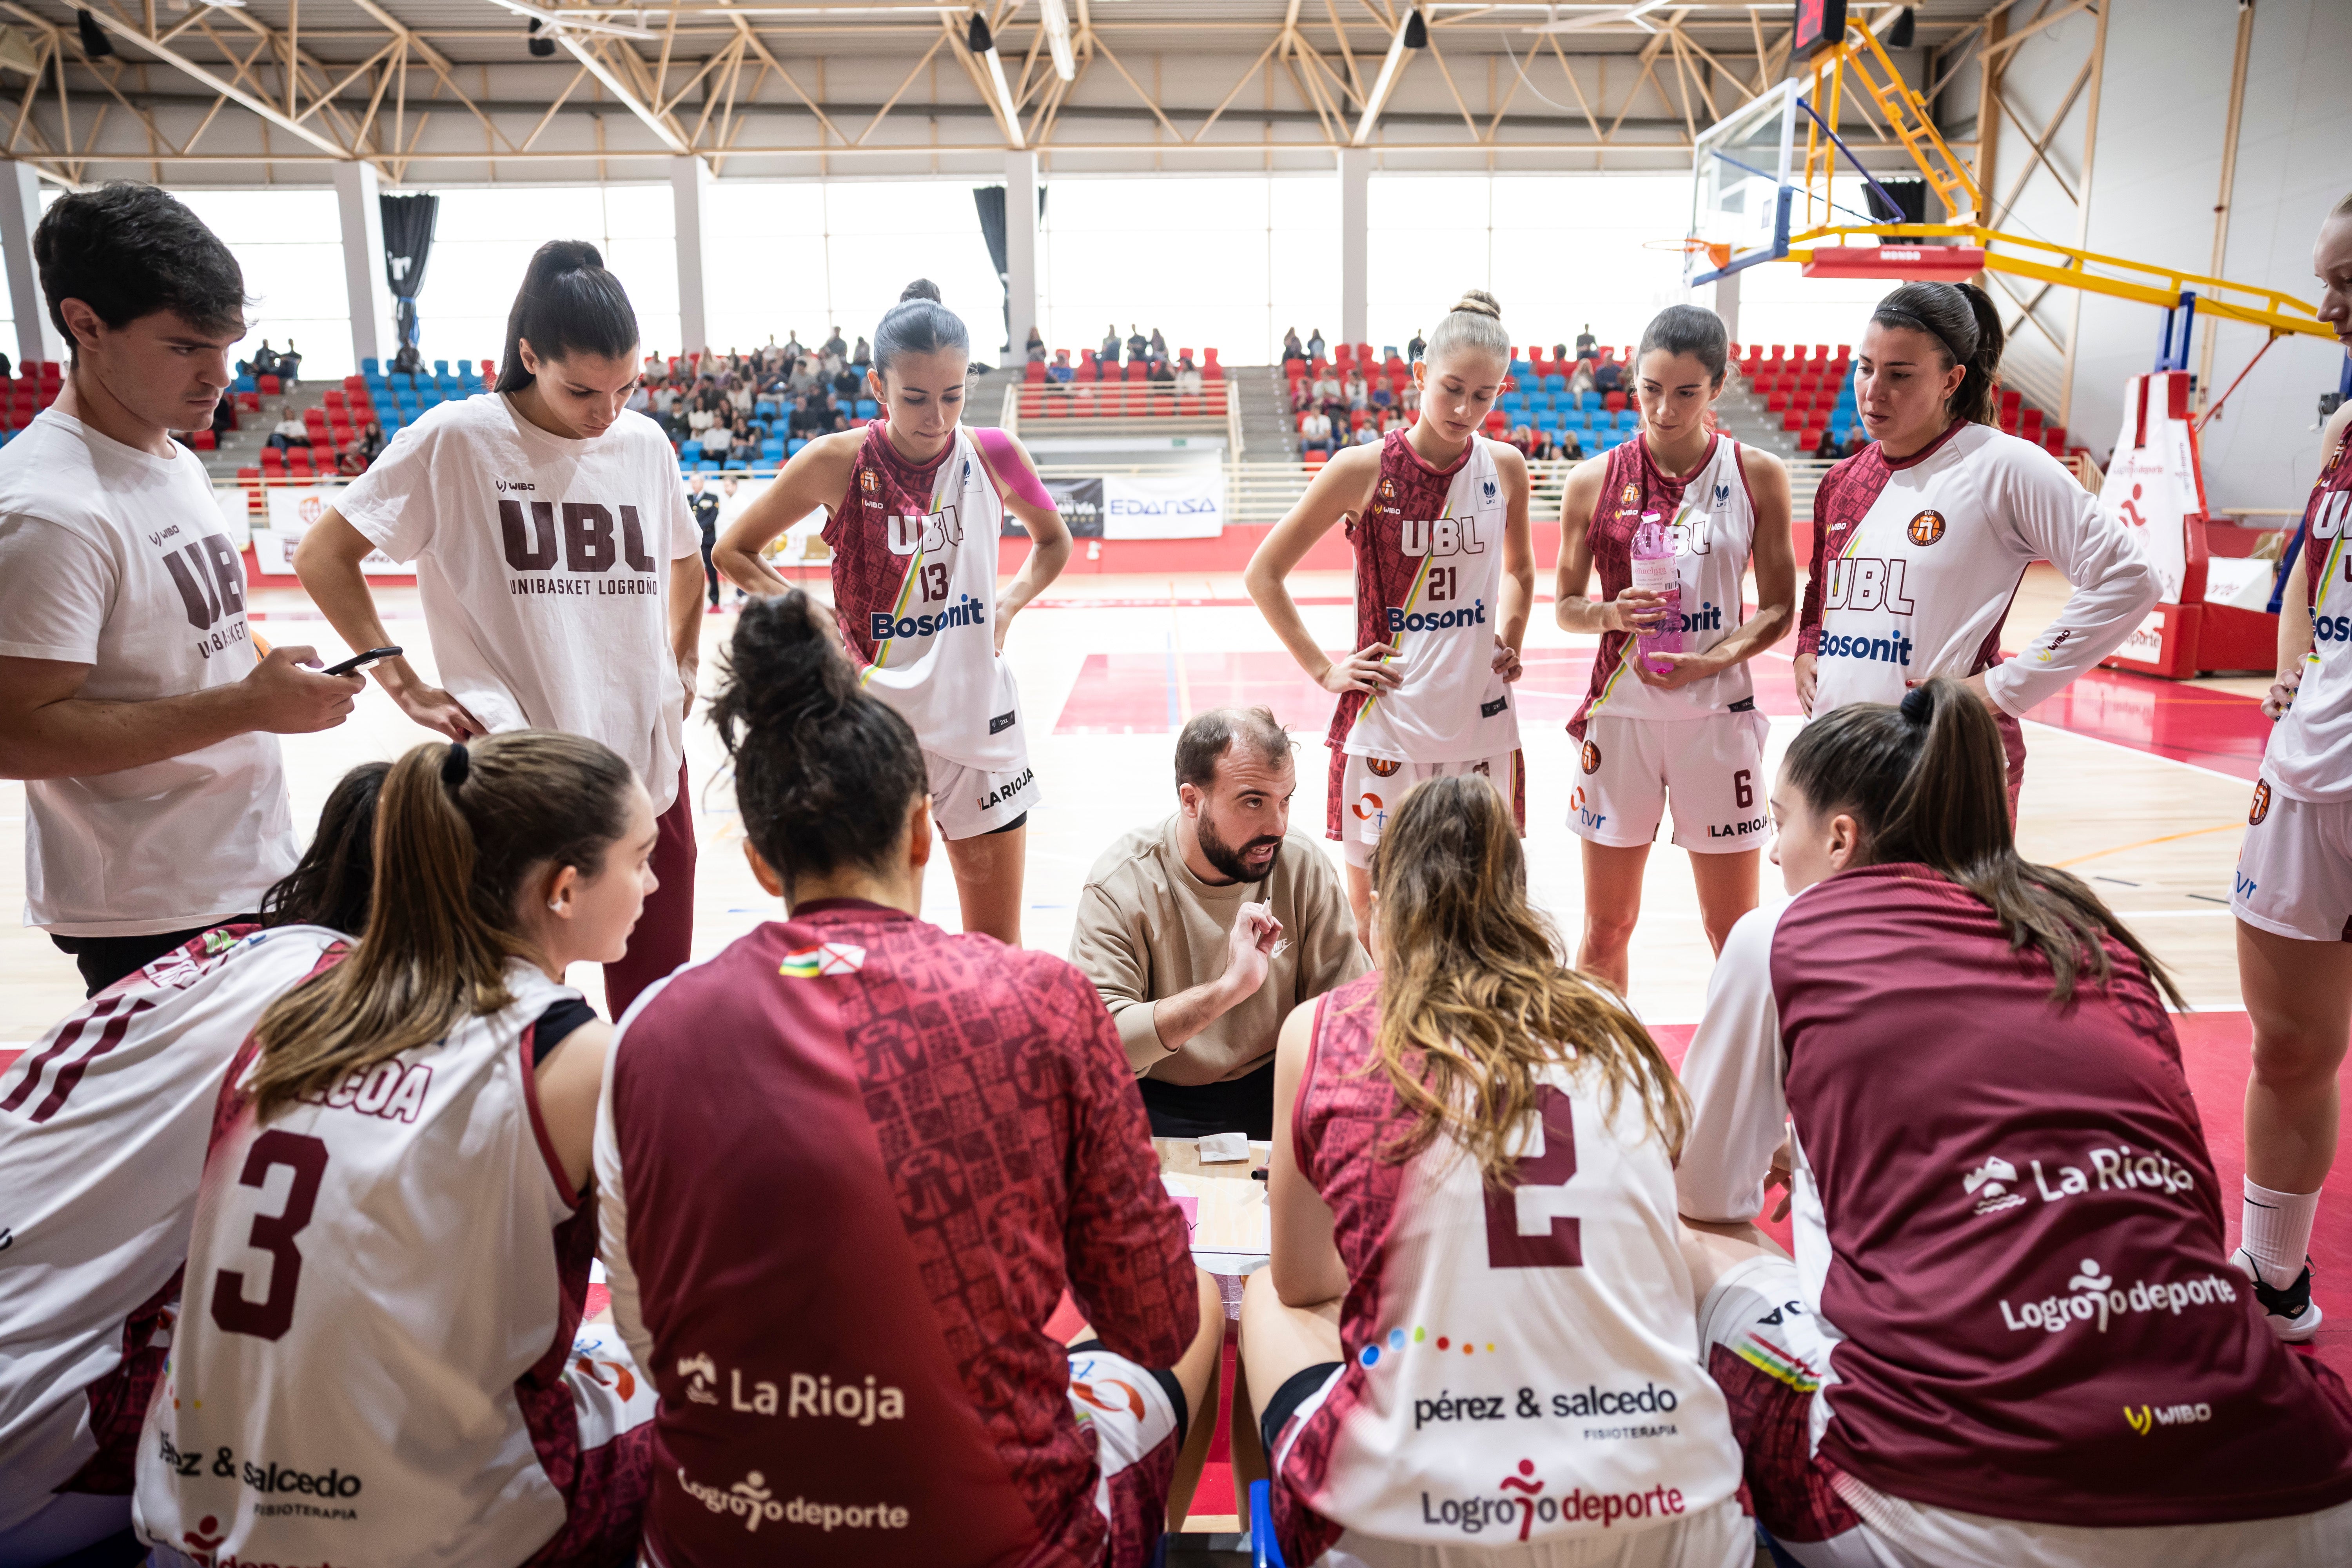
[1657, 570]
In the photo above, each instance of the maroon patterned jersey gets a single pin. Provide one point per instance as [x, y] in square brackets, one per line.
[862, 1159]
[867, 575]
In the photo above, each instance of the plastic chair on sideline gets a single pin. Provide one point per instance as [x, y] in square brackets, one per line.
[1265, 1550]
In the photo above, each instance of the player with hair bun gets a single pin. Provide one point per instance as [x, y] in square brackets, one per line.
[915, 503]
[1445, 576]
[951, 1126]
[1682, 724]
[1921, 537]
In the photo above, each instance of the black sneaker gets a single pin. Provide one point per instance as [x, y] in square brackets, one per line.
[2292, 1314]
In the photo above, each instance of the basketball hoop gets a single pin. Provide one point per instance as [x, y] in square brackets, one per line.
[1719, 254]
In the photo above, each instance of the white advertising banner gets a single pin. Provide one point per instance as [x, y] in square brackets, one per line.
[1186, 505]
[292, 509]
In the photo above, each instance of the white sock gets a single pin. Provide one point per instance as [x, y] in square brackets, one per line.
[2278, 1232]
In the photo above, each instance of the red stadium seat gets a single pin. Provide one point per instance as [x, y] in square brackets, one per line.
[269, 384]
[1136, 370]
[1212, 371]
[1189, 403]
[1316, 458]
[1614, 402]
[1035, 374]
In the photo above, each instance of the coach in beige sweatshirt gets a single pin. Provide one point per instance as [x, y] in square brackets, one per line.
[1204, 932]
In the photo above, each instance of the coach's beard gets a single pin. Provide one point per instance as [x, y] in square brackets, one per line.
[1253, 862]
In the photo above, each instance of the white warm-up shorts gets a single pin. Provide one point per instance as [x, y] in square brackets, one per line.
[968, 803]
[1713, 767]
[1366, 790]
[2295, 868]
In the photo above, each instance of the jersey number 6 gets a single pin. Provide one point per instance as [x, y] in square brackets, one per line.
[273, 1234]
[1537, 1197]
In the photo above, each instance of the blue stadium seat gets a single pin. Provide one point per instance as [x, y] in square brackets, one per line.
[738, 466]
[246, 384]
[868, 409]
[1555, 384]
[1629, 419]
[370, 368]
[1590, 400]
[440, 367]
[1521, 370]
[707, 466]
[793, 446]
[771, 447]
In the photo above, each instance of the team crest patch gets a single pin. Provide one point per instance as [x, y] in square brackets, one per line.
[868, 481]
[1382, 766]
[825, 958]
[1490, 488]
[2261, 806]
[1926, 527]
[1388, 490]
[1592, 757]
[1630, 496]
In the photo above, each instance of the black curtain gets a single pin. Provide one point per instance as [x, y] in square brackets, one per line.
[407, 241]
[990, 200]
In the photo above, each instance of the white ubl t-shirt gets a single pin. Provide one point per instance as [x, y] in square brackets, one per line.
[117, 559]
[544, 567]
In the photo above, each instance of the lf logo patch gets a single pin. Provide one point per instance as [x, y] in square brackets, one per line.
[1592, 757]
[2262, 804]
[1382, 767]
[1926, 527]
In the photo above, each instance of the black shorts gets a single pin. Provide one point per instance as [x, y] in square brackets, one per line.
[1244, 1104]
[1296, 1390]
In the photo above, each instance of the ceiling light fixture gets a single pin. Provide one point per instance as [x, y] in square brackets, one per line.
[1057, 36]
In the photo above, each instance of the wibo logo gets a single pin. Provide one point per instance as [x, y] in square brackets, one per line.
[2146, 1418]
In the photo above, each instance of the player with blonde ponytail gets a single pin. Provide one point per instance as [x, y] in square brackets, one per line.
[389, 1263]
[1445, 576]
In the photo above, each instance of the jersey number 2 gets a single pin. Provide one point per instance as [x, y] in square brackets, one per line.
[273, 1234]
[1538, 1194]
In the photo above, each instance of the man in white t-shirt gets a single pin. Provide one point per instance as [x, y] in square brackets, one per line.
[131, 701]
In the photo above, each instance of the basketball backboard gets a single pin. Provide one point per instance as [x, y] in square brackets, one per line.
[1740, 188]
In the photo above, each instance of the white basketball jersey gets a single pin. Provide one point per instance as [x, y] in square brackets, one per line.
[1428, 580]
[1714, 532]
[371, 1273]
[103, 1124]
[2310, 752]
[933, 642]
[1531, 1369]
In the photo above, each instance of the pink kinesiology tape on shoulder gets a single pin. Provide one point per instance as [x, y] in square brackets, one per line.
[1012, 471]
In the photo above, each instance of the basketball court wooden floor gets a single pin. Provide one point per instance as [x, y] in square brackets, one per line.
[2140, 785]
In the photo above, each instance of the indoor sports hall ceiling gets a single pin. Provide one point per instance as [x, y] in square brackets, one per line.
[450, 92]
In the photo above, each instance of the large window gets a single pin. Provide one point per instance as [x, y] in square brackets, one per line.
[290, 244]
[1212, 262]
[803, 258]
[483, 240]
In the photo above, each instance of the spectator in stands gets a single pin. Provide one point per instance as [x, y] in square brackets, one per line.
[1109, 351]
[1188, 378]
[224, 412]
[863, 354]
[845, 388]
[1159, 347]
[1558, 352]
[794, 350]
[289, 431]
[1413, 351]
[1354, 389]
[1827, 450]
[1573, 447]
[1060, 369]
[1314, 431]
[350, 464]
[1329, 393]
[835, 348]
[1854, 442]
[1523, 436]
[289, 365]
[1367, 434]
[1587, 347]
[1607, 376]
[265, 359]
[1138, 346]
[1291, 347]
[804, 379]
[405, 362]
[746, 448]
[1384, 399]
[1161, 373]
[370, 442]
[7, 371]
[1036, 346]
[718, 436]
[1409, 401]
[1315, 344]
[641, 400]
[1580, 380]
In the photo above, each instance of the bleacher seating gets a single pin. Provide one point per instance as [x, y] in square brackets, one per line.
[1097, 389]
[1810, 388]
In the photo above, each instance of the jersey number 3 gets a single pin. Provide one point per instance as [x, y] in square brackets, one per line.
[1529, 1226]
[274, 1233]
